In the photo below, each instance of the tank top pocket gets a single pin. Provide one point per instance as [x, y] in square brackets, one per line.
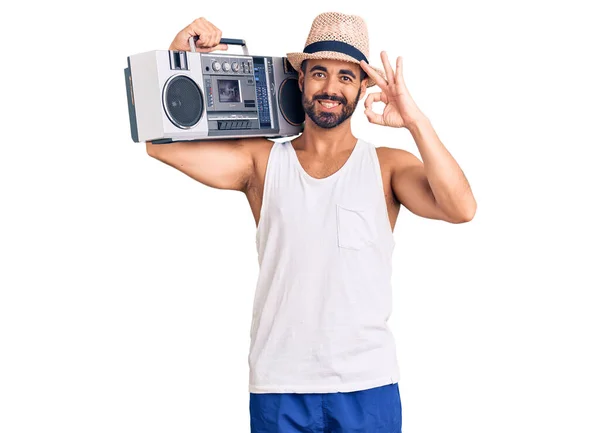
[356, 228]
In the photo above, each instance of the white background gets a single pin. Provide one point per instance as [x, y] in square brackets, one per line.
[127, 287]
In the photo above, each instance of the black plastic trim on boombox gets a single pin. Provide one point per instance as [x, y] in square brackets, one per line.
[131, 103]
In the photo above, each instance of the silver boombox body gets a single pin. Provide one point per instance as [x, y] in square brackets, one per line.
[182, 96]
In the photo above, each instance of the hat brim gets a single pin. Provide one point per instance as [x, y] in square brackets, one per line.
[296, 60]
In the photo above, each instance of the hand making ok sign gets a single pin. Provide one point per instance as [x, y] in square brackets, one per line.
[400, 110]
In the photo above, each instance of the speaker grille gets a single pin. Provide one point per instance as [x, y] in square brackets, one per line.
[183, 101]
[290, 102]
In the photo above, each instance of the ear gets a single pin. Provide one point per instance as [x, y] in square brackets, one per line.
[363, 88]
[300, 80]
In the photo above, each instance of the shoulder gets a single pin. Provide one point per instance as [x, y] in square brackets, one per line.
[255, 144]
[259, 148]
[394, 153]
[394, 160]
[256, 147]
[262, 148]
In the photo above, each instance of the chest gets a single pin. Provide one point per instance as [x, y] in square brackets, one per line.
[321, 169]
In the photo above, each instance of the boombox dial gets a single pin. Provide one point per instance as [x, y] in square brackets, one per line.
[226, 67]
[216, 66]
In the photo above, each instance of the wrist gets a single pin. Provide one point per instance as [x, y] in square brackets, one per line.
[417, 123]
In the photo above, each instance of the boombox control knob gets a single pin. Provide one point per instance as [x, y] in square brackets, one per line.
[216, 66]
[226, 67]
[235, 67]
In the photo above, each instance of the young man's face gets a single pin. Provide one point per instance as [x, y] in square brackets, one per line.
[331, 90]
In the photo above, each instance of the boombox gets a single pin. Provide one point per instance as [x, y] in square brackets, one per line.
[181, 95]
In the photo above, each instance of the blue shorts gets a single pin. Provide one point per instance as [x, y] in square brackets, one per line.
[375, 410]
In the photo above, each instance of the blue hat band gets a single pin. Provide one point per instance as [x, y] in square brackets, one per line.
[336, 46]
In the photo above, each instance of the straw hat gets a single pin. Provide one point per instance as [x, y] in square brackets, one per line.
[336, 36]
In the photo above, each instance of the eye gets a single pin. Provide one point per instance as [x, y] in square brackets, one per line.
[317, 73]
[348, 78]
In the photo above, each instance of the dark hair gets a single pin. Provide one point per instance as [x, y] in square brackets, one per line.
[363, 74]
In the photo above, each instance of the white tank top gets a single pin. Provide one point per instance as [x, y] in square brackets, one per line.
[323, 295]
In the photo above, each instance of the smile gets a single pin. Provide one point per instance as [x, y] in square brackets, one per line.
[329, 105]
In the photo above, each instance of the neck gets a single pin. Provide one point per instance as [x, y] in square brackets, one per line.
[322, 141]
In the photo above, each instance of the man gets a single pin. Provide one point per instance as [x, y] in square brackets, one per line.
[322, 358]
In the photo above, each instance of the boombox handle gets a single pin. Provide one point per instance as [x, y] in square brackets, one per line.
[241, 42]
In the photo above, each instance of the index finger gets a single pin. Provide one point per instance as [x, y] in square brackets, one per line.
[379, 80]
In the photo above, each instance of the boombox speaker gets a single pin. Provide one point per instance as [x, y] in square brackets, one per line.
[184, 96]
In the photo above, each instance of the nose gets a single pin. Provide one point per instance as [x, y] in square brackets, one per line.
[330, 87]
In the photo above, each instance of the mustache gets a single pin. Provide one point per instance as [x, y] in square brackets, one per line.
[326, 97]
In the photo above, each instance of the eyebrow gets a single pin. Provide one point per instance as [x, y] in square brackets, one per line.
[324, 69]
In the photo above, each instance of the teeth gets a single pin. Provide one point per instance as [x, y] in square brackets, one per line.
[329, 104]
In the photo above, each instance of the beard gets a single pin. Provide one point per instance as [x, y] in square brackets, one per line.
[326, 119]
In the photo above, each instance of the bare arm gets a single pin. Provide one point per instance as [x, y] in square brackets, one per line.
[446, 180]
[411, 188]
[437, 187]
[222, 164]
